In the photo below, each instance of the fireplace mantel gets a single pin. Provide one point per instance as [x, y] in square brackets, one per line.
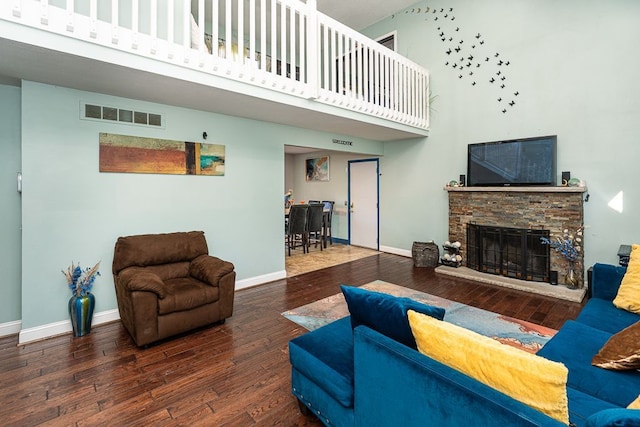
[520, 189]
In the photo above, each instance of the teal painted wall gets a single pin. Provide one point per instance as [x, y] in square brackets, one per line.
[72, 212]
[574, 67]
[10, 206]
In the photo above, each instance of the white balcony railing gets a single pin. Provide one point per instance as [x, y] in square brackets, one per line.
[283, 45]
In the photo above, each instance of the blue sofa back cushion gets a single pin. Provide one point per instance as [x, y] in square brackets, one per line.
[614, 418]
[386, 313]
[583, 342]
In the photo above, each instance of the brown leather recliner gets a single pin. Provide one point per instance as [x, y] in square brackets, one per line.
[167, 284]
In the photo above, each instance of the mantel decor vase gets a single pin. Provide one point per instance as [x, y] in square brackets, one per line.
[81, 313]
[571, 279]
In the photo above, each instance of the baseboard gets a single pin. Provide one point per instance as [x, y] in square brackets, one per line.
[259, 280]
[396, 251]
[10, 328]
[340, 241]
[63, 327]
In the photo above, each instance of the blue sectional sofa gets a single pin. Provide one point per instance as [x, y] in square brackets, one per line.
[362, 377]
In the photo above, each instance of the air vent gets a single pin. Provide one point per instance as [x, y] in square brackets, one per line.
[120, 115]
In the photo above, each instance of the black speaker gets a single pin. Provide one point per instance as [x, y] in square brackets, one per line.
[553, 277]
[566, 176]
[462, 180]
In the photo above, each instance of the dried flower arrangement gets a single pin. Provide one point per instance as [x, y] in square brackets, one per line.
[81, 280]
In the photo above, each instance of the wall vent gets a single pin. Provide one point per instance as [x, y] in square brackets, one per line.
[120, 115]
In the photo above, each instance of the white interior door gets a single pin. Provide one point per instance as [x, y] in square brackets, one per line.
[363, 203]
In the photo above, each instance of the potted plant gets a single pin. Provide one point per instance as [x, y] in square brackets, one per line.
[82, 301]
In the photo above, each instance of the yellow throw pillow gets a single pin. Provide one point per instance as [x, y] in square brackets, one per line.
[635, 404]
[530, 379]
[628, 297]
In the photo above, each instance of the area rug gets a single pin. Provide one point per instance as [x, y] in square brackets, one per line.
[507, 330]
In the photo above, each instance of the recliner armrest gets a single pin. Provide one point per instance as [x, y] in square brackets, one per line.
[138, 280]
[209, 269]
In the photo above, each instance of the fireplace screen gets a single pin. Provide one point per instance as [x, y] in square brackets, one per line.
[511, 252]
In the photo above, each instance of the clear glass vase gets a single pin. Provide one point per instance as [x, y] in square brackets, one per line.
[571, 279]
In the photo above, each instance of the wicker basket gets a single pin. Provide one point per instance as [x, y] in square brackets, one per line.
[425, 254]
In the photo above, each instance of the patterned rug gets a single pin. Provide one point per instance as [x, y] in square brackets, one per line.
[507, 330]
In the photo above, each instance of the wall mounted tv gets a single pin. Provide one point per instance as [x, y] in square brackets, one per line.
[527, 161]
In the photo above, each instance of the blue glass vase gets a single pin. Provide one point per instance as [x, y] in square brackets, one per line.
[81, 313]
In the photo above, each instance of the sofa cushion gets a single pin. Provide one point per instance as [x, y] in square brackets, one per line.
[325, 356]
[615, 418]
[628, 297]
[582, 406]
[602, 314]
[186, 293]
[621, 351]
[530, 379]
[575, 344]
[385, 313]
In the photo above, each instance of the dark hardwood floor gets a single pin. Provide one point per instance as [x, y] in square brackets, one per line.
[235, 374]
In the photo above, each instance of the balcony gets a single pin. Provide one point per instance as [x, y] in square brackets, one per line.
[275, 60]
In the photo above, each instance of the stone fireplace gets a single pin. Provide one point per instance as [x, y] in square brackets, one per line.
[536, 210]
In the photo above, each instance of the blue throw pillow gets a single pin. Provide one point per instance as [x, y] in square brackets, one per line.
[385, 313]
[615, 418]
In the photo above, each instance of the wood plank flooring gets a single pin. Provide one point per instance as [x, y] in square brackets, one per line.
[236, 374]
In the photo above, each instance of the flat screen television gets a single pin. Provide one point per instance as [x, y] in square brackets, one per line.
[526, 161]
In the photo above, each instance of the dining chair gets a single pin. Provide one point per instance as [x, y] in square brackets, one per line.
[296, 230]
[328, 206]
[315, 225]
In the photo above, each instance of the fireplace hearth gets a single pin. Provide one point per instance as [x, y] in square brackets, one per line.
[509, 252]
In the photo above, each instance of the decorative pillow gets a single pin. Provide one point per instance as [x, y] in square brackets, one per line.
[385, 313]
[621, 351]
[530, 379]
[628, 297]
[635, 404]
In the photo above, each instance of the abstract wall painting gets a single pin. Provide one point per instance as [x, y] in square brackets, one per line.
[134, 154]
[317, 169]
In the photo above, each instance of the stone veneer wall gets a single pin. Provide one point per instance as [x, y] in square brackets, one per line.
[554, 209]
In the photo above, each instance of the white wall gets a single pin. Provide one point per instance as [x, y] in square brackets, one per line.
[573, 65]
[72, 212]
[10, 205]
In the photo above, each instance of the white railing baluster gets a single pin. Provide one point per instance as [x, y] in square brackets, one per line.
[263, 36]
[292, 45]
[228, 31]
[325, 56]
[135, 24]
[114, 22]
[215, 47]
[296, 49]
[70, 15]
[153, 26]
[252, 36]
[186, 30]
[201, 27]
[284, 60]
[274, 38]
[241, 53]
[44, 12]
[17, 8]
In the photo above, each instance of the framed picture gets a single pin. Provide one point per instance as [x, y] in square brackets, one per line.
[317, 169]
